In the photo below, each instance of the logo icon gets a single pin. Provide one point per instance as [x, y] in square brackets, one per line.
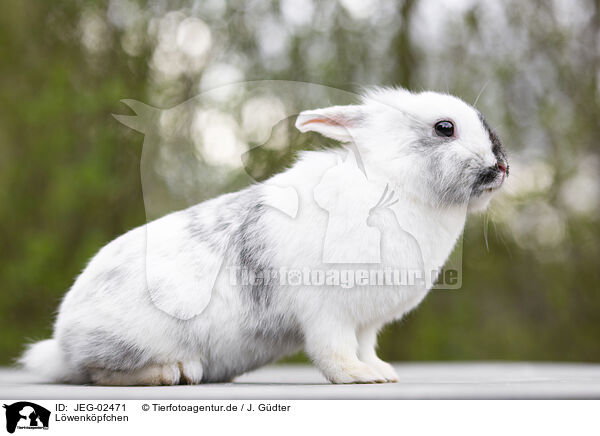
[26, 415]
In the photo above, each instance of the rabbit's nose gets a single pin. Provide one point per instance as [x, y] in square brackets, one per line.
[502, 166]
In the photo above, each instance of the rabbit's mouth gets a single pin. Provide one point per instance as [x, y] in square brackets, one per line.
[497, 185]
[488, 180]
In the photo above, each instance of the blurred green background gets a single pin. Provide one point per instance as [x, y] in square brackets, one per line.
[70, 177]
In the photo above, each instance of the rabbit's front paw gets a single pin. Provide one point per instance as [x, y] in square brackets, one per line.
[353, 372]
[386, 370]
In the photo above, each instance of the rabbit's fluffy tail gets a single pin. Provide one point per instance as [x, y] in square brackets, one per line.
[46, 359]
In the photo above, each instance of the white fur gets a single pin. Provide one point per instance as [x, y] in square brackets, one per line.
[116, 324]
[46, 359]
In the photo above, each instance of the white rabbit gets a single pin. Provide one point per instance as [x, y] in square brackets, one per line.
[435, 153]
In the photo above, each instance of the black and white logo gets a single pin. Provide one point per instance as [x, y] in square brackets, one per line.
[26, 415]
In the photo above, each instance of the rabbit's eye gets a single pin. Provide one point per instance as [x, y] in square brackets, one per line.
[444, 128]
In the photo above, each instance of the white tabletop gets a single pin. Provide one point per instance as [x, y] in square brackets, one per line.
[441, 380]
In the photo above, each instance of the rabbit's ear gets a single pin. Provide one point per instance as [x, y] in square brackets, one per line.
[334, 122]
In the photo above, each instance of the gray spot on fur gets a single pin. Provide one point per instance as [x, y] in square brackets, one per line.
[497, 147]
[278, 332]
[238, 233]
[453, 189]
[249, 245]
[100, 349]
[484, 177]
[111, 278]
[428, 144]
[268, 336]
[199, 231]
